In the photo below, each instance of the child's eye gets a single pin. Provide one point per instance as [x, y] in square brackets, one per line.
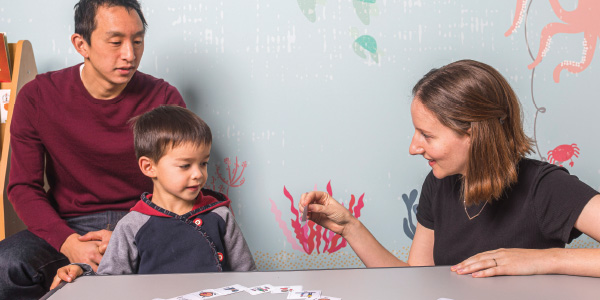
[204, 164]
[186, 166]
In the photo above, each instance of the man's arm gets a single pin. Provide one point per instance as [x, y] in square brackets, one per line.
[26, 179]
[26, 184]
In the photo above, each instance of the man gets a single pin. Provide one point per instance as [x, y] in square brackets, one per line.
[72, 125]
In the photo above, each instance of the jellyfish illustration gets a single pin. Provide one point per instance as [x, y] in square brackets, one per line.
[366, 42]
[365, 9]
[309, 8]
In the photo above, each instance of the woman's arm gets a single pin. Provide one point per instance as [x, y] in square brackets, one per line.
[583, 262]
[421, 250]
[327, 212]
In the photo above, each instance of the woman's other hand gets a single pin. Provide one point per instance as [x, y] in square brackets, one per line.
[508, 262]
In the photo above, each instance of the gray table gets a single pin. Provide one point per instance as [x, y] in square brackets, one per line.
[416, 283]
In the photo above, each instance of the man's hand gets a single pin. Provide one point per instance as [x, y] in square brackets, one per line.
[103, 236]
[86, 249]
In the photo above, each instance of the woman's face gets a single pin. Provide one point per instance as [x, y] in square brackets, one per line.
[446, 150]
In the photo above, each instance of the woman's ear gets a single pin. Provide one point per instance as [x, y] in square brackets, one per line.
[147, 166]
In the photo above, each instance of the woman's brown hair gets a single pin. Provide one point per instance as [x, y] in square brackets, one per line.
[474, 99]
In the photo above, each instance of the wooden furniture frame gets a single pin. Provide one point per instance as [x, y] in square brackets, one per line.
[24, 70]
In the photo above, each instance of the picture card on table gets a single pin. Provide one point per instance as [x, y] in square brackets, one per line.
[285, 289]
[259, 289]
[304, 295]
[231, 289]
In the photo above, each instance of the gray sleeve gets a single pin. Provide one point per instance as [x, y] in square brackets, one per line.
[236, 249]
[121, 256]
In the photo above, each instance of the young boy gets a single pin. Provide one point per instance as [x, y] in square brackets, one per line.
[180, 227]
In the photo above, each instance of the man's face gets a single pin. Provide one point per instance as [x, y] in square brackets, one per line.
[116, 48]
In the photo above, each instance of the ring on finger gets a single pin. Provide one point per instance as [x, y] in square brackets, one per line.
[495, 262]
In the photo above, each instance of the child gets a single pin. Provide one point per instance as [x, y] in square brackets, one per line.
[180, 227]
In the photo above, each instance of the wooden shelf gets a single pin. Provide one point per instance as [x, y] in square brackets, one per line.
[24, 70]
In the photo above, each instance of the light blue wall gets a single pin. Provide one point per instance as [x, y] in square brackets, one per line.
[284, 91]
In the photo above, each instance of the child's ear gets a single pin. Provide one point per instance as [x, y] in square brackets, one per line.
[147, 166]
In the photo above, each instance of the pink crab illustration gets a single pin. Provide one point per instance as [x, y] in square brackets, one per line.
[582, 19]
[563, 153]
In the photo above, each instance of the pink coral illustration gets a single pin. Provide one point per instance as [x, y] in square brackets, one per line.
[233, 179]
[563, 153]
[313, 237]
[582, 19]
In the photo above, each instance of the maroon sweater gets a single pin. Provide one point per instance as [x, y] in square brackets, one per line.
[88, 147]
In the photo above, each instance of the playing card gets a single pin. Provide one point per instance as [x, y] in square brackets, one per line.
[304, 295]
[285, 289]
[327, 298]
[232, 289]
[199, 295]
[304, 216]
[259, 289]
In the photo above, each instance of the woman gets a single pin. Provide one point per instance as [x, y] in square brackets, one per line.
[482, 194]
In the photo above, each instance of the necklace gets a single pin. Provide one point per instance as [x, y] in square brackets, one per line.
[475, 216]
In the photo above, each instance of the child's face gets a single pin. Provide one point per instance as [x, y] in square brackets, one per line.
[181, 173]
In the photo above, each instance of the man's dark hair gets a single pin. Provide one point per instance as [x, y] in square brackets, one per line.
[167, 127]
[85, 14]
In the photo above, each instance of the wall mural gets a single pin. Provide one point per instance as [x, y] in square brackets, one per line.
[365, 42]
[333, 79]
[409, 223]
[584, 19]
[229, 180]
[313, 237]
[309, 8]
[312, 241]
[319, 247]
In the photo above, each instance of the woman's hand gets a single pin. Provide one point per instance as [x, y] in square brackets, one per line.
[326, 211]
[508, 262]
[67, 273]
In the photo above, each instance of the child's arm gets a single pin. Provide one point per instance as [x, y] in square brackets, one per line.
[121, 256]
[67, 273]
[237, 251]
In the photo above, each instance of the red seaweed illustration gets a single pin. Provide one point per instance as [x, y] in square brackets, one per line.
[312, 236]
[233, 179]
[563, 153]
[584, 19]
